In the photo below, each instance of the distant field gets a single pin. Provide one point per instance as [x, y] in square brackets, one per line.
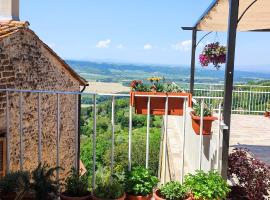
[124, 73]
[102, 87]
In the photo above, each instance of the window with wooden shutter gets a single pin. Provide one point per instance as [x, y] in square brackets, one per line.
[2, 156]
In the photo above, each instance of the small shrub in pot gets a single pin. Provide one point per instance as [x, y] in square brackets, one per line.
[208, 118]
[109, 186]
[140, 183]
[14, 185]
[76, 187]
[44, 183]
[206, 186]
[170, 191]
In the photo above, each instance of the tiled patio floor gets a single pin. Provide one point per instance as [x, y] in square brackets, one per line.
[252, 132]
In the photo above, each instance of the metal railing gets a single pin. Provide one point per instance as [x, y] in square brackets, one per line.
[22, 95]
[244, 101]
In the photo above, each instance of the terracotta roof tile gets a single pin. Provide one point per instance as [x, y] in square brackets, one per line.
[9, 27]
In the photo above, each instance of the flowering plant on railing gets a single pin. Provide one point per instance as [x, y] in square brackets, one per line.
[207, 117]
[154, 85]
[213, 53]
[159, 90]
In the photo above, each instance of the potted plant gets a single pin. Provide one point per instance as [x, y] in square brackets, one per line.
[170, 191]
[213, 53]
[208, 118]
[206, 186]
[108, 186]
[140, 184]
[157, 104]
[267, 111]
[14, 185]
[44, 183]
[251, 175]
[76, 187]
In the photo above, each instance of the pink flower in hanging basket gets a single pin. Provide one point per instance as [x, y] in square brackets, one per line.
[213, 53]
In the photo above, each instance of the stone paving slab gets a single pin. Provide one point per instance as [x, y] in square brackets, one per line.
[252, 132]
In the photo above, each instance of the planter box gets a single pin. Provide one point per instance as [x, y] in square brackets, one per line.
[207, 123]
[157, 104]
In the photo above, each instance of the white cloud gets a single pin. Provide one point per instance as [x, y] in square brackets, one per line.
[104, 43]
[182, 46]
[147, 47]
[120, 46]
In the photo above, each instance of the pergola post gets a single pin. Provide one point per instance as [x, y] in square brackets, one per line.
[228, 85]
[192, 65]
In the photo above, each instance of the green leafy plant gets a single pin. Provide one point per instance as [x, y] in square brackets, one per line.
[154, 85]
[13, 181]
[139, 181]
[44, 182]
[18, 182]
[108, 186]
[207, 111]
[206, 186]
[76, 185]
[172, 191]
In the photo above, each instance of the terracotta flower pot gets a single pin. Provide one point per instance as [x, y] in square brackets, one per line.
[267, 114]
[133, 197]
[157, 104]
[121, 198]
[207, 123]
[157, 195]
[64, 196]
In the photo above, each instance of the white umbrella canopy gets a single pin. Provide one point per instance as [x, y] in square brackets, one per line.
[254, 15]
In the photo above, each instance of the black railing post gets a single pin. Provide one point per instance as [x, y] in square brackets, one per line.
[228, 86]
[192, 65]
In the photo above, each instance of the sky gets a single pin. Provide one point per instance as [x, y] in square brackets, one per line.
[138, 31]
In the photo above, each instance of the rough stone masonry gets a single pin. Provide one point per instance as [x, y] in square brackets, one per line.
[27, 63]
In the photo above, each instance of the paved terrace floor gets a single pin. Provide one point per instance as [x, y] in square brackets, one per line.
[248, 131]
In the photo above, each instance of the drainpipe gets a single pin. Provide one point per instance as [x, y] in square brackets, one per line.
[79, 128]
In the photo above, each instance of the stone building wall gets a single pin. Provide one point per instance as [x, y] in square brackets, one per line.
[26, 64]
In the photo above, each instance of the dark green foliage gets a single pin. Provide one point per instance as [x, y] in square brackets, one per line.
[103, 142]
[173, 191]
[43, 181]
[108, 186]
[140, 181]
[14, 181]
[206, 185]
[206, 110]
[76, 185]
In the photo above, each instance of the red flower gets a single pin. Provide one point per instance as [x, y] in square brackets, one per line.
[135, 83]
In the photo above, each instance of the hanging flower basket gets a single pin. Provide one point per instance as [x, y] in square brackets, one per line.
[213, 53]
[139, 99]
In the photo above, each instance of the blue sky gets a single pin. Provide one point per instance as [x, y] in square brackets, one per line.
[138, 31]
